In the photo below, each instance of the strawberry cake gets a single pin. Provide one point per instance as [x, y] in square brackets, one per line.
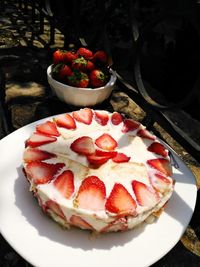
[97, 170]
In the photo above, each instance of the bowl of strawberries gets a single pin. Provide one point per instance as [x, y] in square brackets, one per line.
[81, 77]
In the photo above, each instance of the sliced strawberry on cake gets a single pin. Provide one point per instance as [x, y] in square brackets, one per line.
[158, 148]
[53, 206]
[130, 125]
[101, 117]
[42, 172]
[38, 139]
[144, 133]
[106, 142]
[161, 183]
[121, 157]
[66, 121]
[162, 165]
[35, 154]
[48, 128]
[79, 222]
[65, 183]
[116, 118]
[120, 201]
[83, 145]
[91, 194]
[145, 196]
[84, 115]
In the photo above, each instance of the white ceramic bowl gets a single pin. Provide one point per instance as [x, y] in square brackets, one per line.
[81, 96]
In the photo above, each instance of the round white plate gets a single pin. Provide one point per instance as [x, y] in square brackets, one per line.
[43, 243]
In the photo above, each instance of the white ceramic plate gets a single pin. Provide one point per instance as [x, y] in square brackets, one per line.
[43, 243]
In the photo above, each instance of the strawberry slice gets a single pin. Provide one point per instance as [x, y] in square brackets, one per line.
[97, 160]
[83, 145]
[101, 117]
[91, 194]
[65, 183]
[106, 142]
[162, 165]
[146, 134]
[83, 115]
[42, 172]
[120, 224]
[145, 196]
[34, 154]
[116, 118]
[47, 128]
[120, 157]
[79, 222]
[158, 149]
[130, 125]
[66, 121]
[100, 157]
[160, 182]
[102, 153]
[120, 201]
[50, 204]
[38, 139]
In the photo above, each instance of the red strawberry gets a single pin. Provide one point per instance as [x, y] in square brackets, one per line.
[42, 172]
[69, 56]
[78, 79]
[146, 134]
[120, 224]
[50, 204]
[130, 125]
[97, 160]
[160, 182]
[79, 222]
[59, 56]
[84, 115]
[66, 121]
[162, 165]
[106, 142]
[116, 118]
[64, 72]
[109, 154]
[98, 78]
[121, 157]
[91, 194]
[84, 52]
[47, 128]
[90, 65]
[79, 63]
[34, 154]
[65, 183]
[158, 149]
[145, 196]
[120, 201]
[83, 145]
[100, 57]
[100, 157]
[38, 139]
[101, 117]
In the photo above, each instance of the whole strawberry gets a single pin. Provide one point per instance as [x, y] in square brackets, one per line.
[61, 72]
[79, 79]
[79, 64]
[100, 57]
[98, 78]
[69, 56]
[59, 56]
[84, 52]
